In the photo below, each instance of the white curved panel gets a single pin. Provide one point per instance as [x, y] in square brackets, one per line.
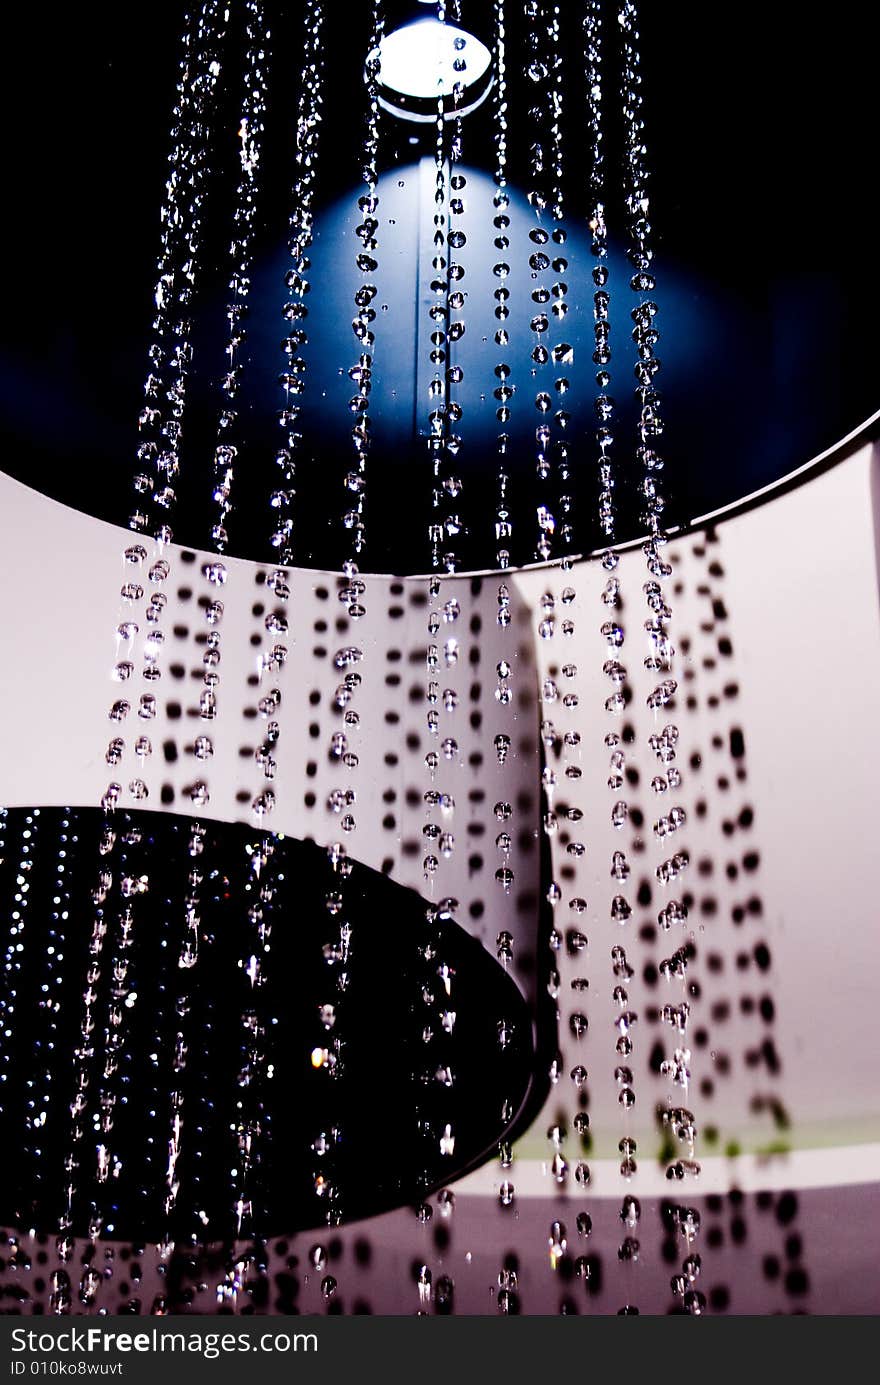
[791, 587]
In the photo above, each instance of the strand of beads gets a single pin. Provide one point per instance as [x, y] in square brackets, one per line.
[328, 1054]
[161, 419]
[442, 1071]
[438, 389]
[295, 310]
[442, 656]
[253, 1123]
[56, 948]
[162, 425]
[247, 1265]
[558, 696]
[447, 310]
[250, 135]
[329, 1048]
[446, 445]
[504, 390]
[131, 884]
[555, 113]
[433, 1075]
[538, 71]
[16, 936]
[593, 53]
[188, 955]
[165, 1150]
[659, 660]
[612, 631]
[556, 1134]
[449, 458]
[503, 810]
[503, 393]
[252, 1130]
[84, 1052]
[546, 168]
[361, 372]
[120, 888]
[152, 642]
[561, 353]
[561, 686]
[271, 661]
[18, 943]
[202, 749]
[6, 1019]
[561, 821]
[550, 293]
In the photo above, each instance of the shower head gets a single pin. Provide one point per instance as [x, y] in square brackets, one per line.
[424, 61]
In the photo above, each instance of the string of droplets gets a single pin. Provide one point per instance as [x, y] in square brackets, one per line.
[444, 443]
[97, 1082]
[5, 998]
[611, 630]
[439, 991]
[561, 824]
[554, 518]
[180, 1138]
[170, 355]
[661, 651]
[246, 1264]
[161, 423]
[452, 482]
[228, 441]
[433, 1075]
[544, 70]
[662, 741]
[503, 393]
[453, 485]
[126, 896]
[593, 43]
[246, 1254]
[161, 420]
[503, 810]
[252, 1123]
[625, 1017]
[132, 594]
[295, 310]
[16, 947]
[83, 1056]
[504, 390]
[41, 1084]
[251, 1132]
[614, 705]
[328, 1053]
[361, 372]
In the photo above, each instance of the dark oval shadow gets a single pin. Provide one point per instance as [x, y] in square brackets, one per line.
[414, 1101]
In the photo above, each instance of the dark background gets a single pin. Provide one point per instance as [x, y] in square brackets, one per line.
[760, 131]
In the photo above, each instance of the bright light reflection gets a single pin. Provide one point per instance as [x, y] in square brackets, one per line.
[420, 59]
